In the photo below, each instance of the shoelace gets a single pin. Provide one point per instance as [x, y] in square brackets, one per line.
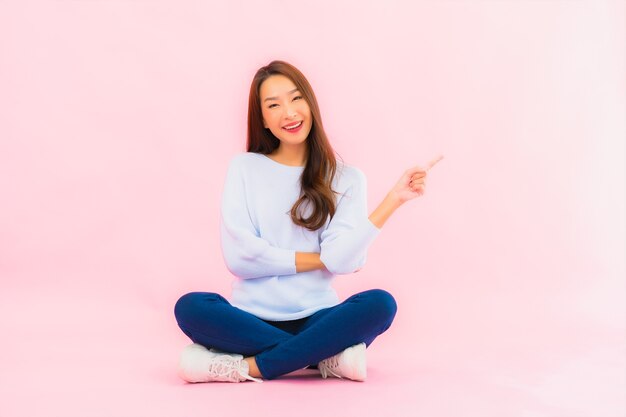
[229, 368]
[328, 366]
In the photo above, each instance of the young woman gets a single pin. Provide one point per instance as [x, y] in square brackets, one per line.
[291, 219]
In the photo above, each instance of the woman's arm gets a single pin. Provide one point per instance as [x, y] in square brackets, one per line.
[341, 248]
[245, 253]
[385, 209]
[308, 261]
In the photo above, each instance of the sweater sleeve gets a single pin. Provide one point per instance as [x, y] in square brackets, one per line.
[345, 241]
[245, 253]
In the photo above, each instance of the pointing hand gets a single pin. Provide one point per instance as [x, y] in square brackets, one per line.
[412, 184]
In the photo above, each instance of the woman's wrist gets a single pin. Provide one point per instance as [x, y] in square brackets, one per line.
[308, 261]
[393, 199]
[385, 209]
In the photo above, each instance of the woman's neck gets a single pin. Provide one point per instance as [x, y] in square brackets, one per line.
[290, 155]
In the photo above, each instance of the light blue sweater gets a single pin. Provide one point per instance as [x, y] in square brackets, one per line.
[259, 239]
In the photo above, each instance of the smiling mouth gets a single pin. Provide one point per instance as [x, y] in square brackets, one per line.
[293, 126]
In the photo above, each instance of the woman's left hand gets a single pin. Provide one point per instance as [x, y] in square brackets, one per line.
[412, 184]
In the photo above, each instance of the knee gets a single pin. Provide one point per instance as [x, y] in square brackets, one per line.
[382, 304]
[184, 305]
[190, 304]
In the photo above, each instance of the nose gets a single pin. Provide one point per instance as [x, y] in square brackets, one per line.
[290, 112]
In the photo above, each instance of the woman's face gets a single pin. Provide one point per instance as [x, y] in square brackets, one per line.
[283, 106]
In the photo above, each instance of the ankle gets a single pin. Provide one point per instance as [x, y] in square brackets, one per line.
[253, 369]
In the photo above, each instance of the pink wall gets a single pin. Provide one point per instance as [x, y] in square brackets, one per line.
[117, 120]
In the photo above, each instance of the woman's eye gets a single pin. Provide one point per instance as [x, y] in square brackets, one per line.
[274, 104]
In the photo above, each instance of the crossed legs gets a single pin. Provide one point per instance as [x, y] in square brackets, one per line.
[277, 348]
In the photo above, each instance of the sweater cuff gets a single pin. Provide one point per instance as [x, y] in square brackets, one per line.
[284, 261]
[367, 232]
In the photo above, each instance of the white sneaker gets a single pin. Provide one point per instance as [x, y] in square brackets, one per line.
[351, 364]
[199, 364]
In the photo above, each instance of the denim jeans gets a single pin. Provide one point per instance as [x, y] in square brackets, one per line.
[280, 347]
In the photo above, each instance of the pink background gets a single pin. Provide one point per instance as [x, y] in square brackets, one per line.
[117, 120]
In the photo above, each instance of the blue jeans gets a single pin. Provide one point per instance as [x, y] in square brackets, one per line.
[280, 347]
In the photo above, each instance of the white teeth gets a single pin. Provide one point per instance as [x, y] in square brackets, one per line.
[293, 127]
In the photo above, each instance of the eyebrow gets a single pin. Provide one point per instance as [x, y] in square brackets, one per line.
[276, 98]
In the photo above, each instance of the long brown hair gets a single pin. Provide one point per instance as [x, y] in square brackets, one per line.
[321, 165]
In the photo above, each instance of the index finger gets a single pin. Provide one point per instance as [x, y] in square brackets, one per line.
[433, 162]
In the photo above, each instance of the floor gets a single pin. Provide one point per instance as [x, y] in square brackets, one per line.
[100, 355]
